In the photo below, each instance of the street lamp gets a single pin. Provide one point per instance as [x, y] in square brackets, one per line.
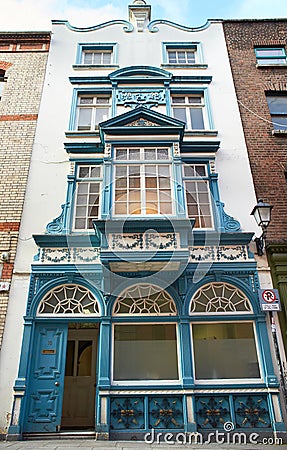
[262, 215]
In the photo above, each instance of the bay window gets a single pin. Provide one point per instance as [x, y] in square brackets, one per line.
[143, 183]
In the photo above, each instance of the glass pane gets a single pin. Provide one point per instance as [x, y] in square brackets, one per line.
[70, 358]
[270, 52]
[94, 188]
[80, 224]
[215, 345]
[121, 154]
[134, 208]
[135, 182]
[102, 100]
[200, 170]
[107, 58]
[150, 154]
[120, 208]
[195, 99]
[97, 58]
[196, 118]
[271, 61]
[171, 57]
[81, 211]
[95, 172]
[145, 352]
[180, 114]
[151, 182]
[190, 57]
[86, 100]
[82, 199]
[279, 122]
[84, 361]
[277, 104]
[83, 172]
[162, 153]
[85, 119]
[88, 58]
[165, 208]
[101, 115]
[181, 57]
[83, 188]
[178, 99]
[134, 154]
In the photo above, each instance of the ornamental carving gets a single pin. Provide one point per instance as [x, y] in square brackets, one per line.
[142, 123]
[66, 255]
[252, 411]
[143, 241]
[134, 99]
[215, 253]
[212, 412]
[127, 413]
[165, 412]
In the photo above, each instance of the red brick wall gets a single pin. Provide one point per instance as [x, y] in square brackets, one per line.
[267, 153]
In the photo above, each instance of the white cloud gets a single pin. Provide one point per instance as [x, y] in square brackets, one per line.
[37, 15]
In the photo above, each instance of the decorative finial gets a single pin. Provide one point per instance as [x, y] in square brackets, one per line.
[139, 14]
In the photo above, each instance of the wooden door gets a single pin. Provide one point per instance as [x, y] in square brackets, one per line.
[80, 379]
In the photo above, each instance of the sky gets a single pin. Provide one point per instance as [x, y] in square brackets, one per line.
[28, 15]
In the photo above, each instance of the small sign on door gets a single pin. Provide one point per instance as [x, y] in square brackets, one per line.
[269, 299]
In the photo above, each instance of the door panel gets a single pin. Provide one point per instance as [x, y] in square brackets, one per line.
[46, 380]
[80, 379]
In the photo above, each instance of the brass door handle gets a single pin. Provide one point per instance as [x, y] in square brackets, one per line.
[57, 383]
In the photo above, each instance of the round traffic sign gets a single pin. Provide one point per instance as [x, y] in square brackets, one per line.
[269, 296]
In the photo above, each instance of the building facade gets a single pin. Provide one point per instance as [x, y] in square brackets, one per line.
[23, 58]
[257, 52]
[142, 313]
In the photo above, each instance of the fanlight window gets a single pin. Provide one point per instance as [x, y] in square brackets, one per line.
[145, 299]
[69, 299]
[219, 298]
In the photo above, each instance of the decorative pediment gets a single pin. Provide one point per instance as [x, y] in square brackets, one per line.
[140, 72]
[151, 121]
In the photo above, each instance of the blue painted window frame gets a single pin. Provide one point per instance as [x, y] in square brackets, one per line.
[97, 46]
[88, 91]
[202, 90]
[169, 161]
[271, 59]
[194, 46]
[199, 178]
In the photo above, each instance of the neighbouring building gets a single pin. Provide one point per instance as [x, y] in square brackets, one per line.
[23, 58]
[257, 53]
[139, 287]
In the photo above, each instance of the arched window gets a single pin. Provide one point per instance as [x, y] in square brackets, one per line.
[145, 299]
[145, 350]
[69, 299]
[224, 348]
[2, 81]
[218, 298]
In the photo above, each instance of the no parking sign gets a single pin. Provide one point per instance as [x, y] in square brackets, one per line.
[269, 299]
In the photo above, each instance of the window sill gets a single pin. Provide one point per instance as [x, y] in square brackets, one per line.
[279, 132]
[80, 134]
[185, 66]
[268, 66]
[201, 133]
[95, 66]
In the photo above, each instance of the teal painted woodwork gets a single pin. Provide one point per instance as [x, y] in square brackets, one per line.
[46, 380]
